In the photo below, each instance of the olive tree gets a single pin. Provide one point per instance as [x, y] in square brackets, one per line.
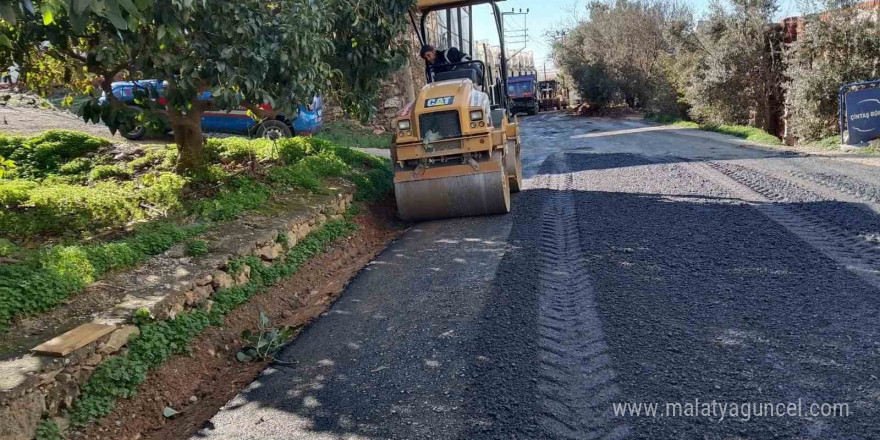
[366, 47]
[832, 49]
[617, 51]
[268, 57]
[738, 70]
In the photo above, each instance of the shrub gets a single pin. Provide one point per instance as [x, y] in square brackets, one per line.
[104, 172]
[294, 177]
[373, 184]
[79, 165]
[77, 207]
[70, 262]
[15, 192]
[196, 248]
[6, 166]
[832, 49]
[47, 152]
[8, 144]
[48, 430]
[159, 159]
[27, 288]
[237, 195]
[293, 150]
[162, 190]
[7, 247]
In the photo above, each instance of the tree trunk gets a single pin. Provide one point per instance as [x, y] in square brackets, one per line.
[188, 137]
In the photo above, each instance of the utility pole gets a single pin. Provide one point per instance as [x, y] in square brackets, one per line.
[516, 33]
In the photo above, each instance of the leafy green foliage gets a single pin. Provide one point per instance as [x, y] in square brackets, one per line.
[48, 430]
[80, 165]
[6, 166]
[239, 194]
[280, 53]
[737, 74]
[104, 172]
[47, 152]
[196, 248]
[56, 208]
[141, 316]
[7, 247]
[345, 133]
[121, 376]
[366, 47]
[162, 191]
[60, 203]
[14, 192]
[38, 285]
[832, 49]
[8, 144]
[614, 54]
[265, 342]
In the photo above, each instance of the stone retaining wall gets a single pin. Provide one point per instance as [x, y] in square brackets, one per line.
[34, 386]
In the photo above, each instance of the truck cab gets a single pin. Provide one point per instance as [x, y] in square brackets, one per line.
[523, 94]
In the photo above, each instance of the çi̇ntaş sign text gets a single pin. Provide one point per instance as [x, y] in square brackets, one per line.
[863, 115]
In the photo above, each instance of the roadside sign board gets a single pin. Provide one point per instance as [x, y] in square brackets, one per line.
[863, 115]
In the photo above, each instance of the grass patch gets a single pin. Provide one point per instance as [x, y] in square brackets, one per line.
[750, 134]
[196, 248]
[51, 275]
[120, 376]
[827, 143]
[349, 134]
[45, 153]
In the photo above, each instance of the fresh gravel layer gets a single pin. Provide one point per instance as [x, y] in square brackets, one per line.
[716, 301]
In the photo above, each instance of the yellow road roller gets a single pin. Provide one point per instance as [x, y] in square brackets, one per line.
[457, 146]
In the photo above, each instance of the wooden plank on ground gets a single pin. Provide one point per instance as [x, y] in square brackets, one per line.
[74, 339]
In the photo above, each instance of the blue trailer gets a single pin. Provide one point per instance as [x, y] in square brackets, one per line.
[309, 118]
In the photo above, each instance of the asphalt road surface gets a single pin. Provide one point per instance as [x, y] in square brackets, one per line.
[641, 264]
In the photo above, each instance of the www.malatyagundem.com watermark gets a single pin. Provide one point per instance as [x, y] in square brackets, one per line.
[721, 411]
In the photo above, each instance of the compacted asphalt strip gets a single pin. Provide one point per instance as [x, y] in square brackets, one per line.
[641, 265]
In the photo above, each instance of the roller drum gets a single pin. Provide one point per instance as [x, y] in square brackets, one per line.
[457, 196]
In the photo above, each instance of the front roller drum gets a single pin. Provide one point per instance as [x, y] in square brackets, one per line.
[477, 193]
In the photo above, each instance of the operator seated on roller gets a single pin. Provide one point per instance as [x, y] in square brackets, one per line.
[435, 60]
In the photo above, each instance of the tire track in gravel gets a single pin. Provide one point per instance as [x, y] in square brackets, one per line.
[576, 382]
[847, 248]
[846, 184]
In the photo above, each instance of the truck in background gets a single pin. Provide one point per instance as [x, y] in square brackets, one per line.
[552, 95]
[523, 91]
